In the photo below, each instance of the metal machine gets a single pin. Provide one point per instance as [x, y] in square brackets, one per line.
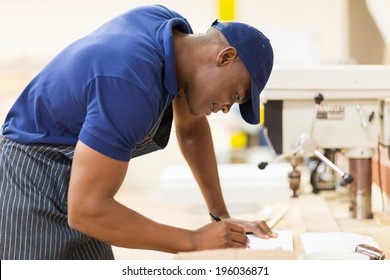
[314, 113]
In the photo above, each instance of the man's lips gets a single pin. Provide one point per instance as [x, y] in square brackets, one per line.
[211, 109]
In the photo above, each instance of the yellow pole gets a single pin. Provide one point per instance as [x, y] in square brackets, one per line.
[226, 10]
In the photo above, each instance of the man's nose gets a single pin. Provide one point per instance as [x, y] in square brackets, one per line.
[226, 108]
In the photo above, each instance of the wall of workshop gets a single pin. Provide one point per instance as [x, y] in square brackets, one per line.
[300, 30]
[33, 31]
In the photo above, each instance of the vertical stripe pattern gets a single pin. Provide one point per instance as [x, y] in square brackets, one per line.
[33, 205]
[158, 136]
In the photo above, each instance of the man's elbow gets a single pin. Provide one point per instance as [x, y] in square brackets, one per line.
[79, 216]
[74, 220]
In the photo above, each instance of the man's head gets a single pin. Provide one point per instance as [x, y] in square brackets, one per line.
[255, 51]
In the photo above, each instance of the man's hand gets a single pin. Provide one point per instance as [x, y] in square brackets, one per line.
[218, 236]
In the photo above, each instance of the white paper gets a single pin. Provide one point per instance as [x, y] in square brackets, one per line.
[284, 241]
[334, 241]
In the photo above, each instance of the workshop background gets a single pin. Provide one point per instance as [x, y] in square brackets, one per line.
[316, 32]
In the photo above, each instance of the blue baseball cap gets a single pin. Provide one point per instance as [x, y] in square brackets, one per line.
[255, 51]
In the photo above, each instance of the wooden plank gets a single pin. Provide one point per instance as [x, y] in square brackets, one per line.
[316, 214]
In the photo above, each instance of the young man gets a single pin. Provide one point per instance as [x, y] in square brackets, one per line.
[107, 98]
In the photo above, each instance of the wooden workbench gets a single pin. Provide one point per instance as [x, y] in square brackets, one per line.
[328, 212]
[324, 212]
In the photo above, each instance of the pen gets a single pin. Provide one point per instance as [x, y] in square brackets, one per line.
[215, 217]
[218, 219]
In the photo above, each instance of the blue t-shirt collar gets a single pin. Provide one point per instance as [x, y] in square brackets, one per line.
[170, 81]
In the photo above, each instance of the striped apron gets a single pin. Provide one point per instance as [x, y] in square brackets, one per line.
[33, 198]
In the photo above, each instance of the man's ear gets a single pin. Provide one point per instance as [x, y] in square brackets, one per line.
[226, 56]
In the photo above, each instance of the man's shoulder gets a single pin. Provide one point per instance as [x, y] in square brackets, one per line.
[156, 12]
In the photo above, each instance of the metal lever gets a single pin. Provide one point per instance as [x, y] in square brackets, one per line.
[346, 177]
[264, 164]
[307, 145]
[304, 146]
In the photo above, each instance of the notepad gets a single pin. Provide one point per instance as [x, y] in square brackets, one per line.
[334, 241]
[284, 241]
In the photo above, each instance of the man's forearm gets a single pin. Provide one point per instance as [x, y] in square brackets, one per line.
[115, 224]
[198, 150]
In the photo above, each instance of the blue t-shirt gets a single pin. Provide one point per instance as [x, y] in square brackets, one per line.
[106, 89]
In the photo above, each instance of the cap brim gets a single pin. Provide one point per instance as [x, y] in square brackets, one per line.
[250, 110]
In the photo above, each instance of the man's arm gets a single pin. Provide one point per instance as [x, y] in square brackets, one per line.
[195, 141]
[196, 144]
[92, 209]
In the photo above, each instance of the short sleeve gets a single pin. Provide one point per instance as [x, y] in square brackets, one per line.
[119, 114]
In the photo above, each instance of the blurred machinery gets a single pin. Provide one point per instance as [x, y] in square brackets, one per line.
[313, 114]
